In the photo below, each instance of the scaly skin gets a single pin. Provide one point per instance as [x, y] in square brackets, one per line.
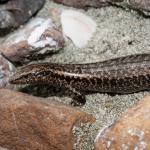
[122, 75]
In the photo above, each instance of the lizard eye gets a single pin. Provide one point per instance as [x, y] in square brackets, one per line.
[46, 73]
[26, 76]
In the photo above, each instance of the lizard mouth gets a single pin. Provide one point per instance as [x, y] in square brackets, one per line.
[16, 78]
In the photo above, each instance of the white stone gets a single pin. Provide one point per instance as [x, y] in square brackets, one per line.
[78, 27]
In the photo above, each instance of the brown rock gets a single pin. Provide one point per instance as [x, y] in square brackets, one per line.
[84, 3]
[31, 123]
[37, 38]
[132, 131]
[140, 5]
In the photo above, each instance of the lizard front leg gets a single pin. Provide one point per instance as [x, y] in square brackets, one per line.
[78, 98]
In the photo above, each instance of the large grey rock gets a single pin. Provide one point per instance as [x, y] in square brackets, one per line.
[15, 12]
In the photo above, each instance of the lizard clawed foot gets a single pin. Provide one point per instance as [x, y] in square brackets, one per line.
[78, 98]
[77, 103]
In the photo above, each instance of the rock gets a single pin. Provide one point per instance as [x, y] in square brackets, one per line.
[29, 122]
[78, 27]
[15, 12]
[140, 5]
[38, 38]
[132, 131]
[84, 3]
[6, 70]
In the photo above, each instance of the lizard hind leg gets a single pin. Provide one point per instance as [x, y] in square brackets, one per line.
[78, 98]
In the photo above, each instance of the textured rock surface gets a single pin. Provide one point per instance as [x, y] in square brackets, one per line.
[29, 122]
[15, 12]
[37, 38]
[132, 131]
[141, 5]
[6, 70]
[83, 3]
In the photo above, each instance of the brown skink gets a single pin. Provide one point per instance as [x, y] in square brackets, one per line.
[122, 75]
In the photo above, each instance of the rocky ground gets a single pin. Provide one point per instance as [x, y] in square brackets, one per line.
[119, 32]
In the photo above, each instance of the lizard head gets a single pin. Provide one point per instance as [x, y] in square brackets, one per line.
[30, 74]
